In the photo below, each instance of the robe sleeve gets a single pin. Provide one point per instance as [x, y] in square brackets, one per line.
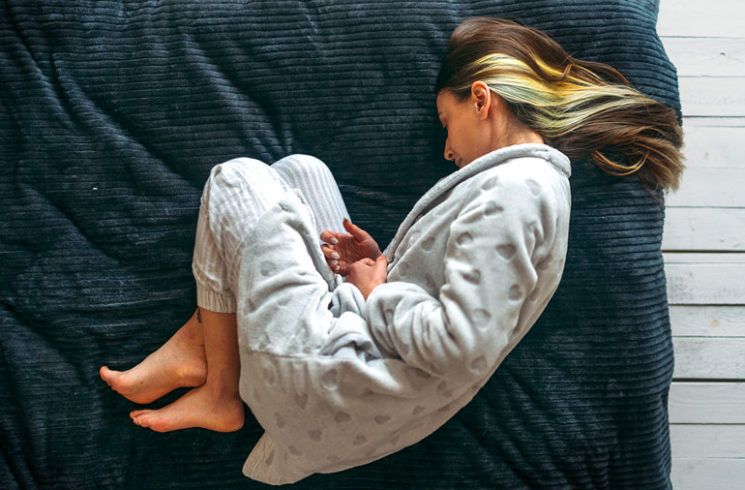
[505, 229]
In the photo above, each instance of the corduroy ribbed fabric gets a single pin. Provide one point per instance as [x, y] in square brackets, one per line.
[112, 114]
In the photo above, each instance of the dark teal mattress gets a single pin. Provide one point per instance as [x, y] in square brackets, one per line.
[112, 114]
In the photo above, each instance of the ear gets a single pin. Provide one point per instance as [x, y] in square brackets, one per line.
[481, 98]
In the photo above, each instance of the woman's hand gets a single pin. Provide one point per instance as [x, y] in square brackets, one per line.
[344, 249]
[367, 274]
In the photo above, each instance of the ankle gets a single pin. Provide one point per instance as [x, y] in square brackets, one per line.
[220, 390]
[191, 334]
[191, 374]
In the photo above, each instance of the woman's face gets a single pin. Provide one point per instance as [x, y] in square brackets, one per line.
[467, 138]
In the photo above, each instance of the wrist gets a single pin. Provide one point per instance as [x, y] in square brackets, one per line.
[370, 288]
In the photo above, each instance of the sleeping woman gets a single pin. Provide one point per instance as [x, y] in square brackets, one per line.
[345, 353]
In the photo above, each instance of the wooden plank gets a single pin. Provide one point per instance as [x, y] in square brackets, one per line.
[707, 403]
[704, 258]
[715, 122]
[713, 18]
[707, 473]
[710, 187]
[705, 279]
[705, 229]
[702, 56]
[712, 96]
[707, 441]
[709, 358]
[713, 145]
[707, 321]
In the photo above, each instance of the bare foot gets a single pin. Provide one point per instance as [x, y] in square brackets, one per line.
[178, 363]
[199, 407]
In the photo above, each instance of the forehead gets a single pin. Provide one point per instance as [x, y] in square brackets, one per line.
[445, 100]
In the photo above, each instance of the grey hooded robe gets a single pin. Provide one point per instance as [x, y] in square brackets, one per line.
[337, 381]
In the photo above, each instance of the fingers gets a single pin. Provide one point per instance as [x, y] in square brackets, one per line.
[358, 233]
[367, 274]
[361, 264]
[380, 266]
[332, 258]
[329, 251]
[329, 236]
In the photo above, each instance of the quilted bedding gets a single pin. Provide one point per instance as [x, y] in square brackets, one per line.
[112, 114]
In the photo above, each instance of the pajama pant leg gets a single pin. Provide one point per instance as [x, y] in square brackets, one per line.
[236, 194]
[319, 189]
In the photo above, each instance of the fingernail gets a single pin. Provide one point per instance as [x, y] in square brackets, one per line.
[335, 255]
[334, 240]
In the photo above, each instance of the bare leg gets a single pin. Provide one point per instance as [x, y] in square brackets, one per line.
[177, 363]
[216, 405]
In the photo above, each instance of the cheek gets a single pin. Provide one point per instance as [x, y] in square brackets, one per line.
[461, 137]
[479, 142]
[468, 143]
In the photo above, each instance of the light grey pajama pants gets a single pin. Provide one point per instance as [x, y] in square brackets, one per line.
[237, 193]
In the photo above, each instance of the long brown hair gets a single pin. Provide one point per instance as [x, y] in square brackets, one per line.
[582, 108]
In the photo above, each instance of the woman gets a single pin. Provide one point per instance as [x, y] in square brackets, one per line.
[340, 373]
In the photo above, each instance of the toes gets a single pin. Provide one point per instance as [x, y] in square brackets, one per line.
[109, 375]
[112, 379]
[152, 422]
[104, 373]
[141, 420]
[145, 418]
[137, 413]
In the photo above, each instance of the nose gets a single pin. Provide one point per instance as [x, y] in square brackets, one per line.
[448, 154]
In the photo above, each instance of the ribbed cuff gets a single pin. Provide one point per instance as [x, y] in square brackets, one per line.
[214, 301]
[263, 465]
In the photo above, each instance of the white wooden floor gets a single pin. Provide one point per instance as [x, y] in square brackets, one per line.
[704, 245]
